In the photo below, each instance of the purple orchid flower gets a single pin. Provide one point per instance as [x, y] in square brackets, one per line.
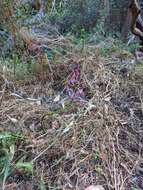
[74, 87]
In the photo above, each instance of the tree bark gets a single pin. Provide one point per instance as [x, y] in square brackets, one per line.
[136, 20]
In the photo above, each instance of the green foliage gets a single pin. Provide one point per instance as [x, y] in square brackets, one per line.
[25, 166]
[15, 66]
[108, 47]
[8, 143]
[133, 47]
[42, 184]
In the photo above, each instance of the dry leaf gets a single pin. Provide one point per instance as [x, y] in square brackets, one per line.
[13, 120]
[95, 187]
[57, 98]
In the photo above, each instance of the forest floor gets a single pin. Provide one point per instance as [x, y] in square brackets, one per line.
[79, 124]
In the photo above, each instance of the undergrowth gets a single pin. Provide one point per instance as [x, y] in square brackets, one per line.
[8, 161]
[60, 142]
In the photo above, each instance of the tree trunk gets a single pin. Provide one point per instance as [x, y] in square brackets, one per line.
[136, 20]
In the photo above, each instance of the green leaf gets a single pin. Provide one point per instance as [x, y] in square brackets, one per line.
[42, 184]
[28, 166]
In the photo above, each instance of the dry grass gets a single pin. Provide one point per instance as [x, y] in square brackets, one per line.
[98, 141]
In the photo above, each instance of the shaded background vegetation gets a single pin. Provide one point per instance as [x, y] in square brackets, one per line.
[73, 15]
[106, 17]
